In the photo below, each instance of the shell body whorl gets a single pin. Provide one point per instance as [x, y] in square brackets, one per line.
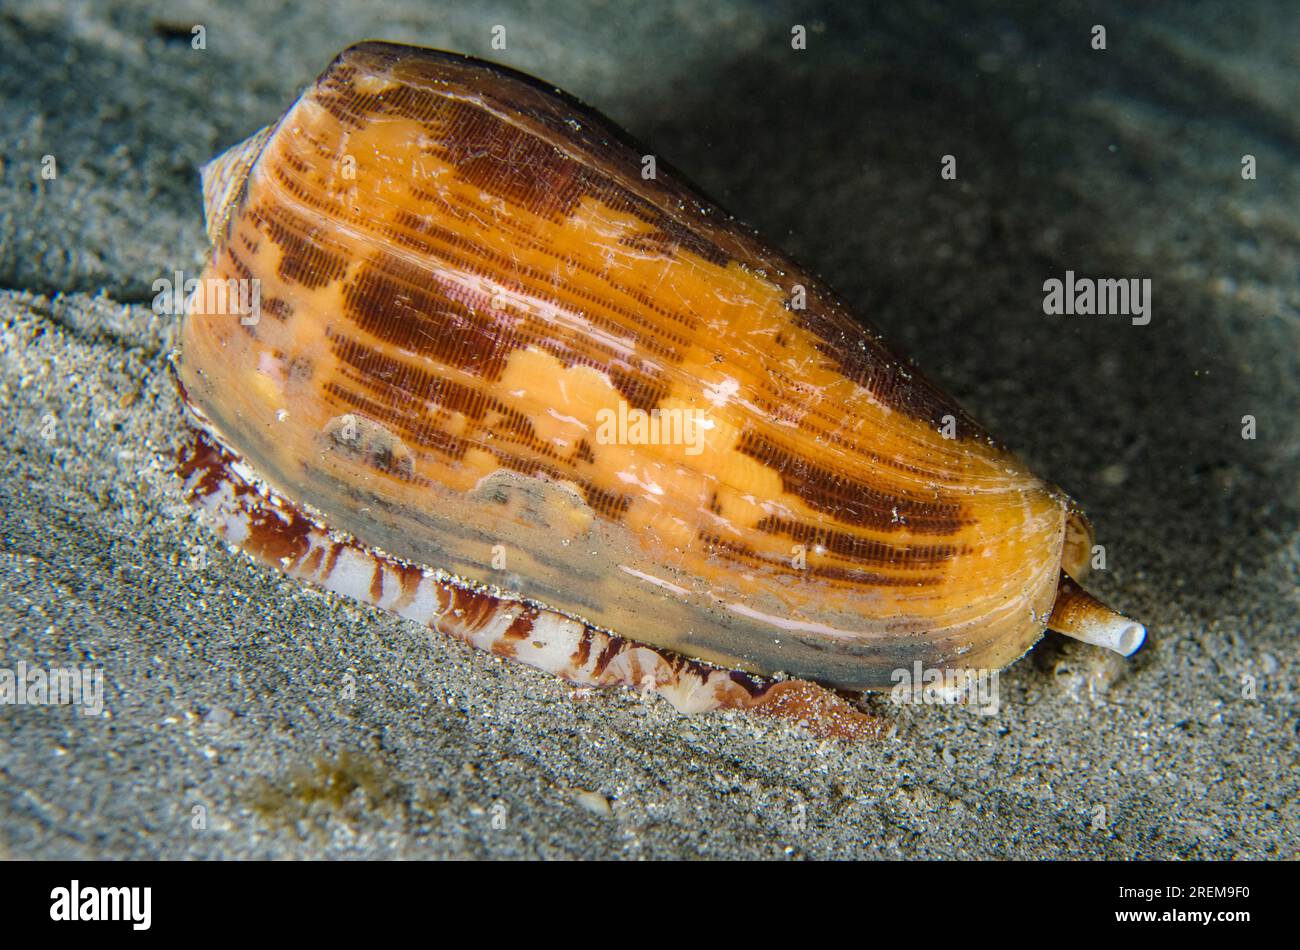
[476, 317]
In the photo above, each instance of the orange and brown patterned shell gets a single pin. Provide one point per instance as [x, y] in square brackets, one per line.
[466, 283]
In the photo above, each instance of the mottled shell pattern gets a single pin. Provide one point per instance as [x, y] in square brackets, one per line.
[492, 354]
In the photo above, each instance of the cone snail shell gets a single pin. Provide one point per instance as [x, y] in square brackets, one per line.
[504, 383]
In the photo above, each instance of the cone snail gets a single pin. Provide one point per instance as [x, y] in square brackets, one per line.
[503, 376]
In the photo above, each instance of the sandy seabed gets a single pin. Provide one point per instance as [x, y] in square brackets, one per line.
[247, 716]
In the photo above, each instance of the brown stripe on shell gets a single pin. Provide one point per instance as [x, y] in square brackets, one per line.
[742, 553]
[395, 303]
[849, 500]
[660, 330]
[305, 261]
[859, 549]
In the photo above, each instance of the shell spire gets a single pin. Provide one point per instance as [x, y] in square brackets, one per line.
[223, 180]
